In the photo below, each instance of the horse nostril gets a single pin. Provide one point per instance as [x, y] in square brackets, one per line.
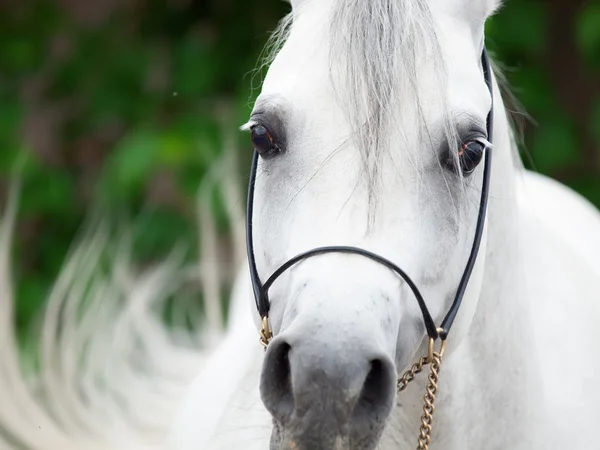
[326, 392]
[276, 384]
[377, 396]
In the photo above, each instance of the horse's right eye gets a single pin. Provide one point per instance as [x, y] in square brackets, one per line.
[262, 140]
[470, 155]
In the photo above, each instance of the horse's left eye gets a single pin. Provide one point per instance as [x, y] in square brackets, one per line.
[470, 155]
[262, 140]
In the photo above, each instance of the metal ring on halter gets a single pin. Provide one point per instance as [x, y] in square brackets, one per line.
[431, 348]
[265, 332]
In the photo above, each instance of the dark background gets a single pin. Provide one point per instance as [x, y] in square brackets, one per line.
[125, 103]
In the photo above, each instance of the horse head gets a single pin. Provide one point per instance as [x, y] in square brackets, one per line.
[369, 134]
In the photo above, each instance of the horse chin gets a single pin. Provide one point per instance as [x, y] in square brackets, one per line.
[323, 437]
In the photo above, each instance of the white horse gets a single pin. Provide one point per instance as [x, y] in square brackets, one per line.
[361, 108]
[367, 113]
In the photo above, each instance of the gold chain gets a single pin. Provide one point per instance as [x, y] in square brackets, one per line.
[434, 360]
[410, 375]
[429, 406]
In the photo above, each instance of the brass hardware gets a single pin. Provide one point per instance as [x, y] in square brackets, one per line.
[409, 375]
[430, 350]
[434, 360]
[265, 333]
[429, 406]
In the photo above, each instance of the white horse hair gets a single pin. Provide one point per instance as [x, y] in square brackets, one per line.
[111, 375]
[362, 97]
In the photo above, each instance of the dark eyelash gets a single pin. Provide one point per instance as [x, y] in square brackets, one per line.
[473, 134]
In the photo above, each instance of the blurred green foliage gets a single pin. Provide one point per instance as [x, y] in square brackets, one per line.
[129, 103]
[550, 53]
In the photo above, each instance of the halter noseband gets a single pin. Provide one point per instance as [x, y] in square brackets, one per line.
[261, 290]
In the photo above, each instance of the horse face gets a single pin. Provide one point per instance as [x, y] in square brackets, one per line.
[364, 126]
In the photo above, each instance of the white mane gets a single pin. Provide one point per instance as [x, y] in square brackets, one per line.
[375, 50]
[110, 374]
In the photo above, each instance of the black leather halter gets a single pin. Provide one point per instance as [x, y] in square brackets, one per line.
[261, 290]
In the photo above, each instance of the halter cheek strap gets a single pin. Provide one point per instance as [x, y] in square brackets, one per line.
[261, 290]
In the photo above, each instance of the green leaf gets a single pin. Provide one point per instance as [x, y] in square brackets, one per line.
[533, 88]
[31, 292]
[10, 119]
[20, 54]
[193, 75]
[521, 27]
[175, 149]
[588, 32]
[133, 161]
[589, 187]
[157, 231]
[47, 191]
[595, 122]
[556, 144]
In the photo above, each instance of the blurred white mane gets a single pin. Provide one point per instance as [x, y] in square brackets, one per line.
[111, 374]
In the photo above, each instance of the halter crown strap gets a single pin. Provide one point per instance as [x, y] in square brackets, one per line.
[261, 290]
[464, 281]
